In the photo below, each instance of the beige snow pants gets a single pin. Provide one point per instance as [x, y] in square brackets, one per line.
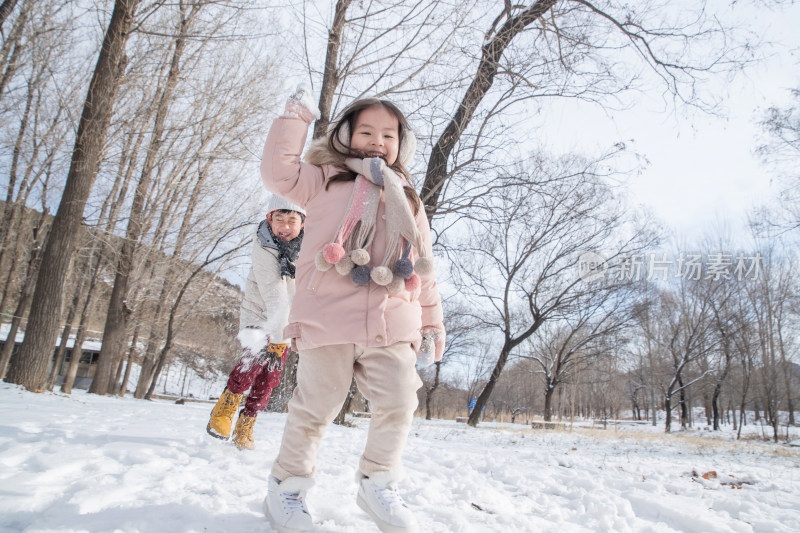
[385, 376]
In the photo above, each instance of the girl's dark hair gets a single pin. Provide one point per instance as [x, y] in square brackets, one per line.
[348, 119]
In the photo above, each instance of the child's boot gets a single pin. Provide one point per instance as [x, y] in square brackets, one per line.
[285, 505]
[378, 496]
[222, 415]
[243, 432]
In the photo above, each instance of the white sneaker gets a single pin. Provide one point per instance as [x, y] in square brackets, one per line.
[285, 505]
[378, 496]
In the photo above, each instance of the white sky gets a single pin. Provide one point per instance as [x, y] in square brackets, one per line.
[702, 168]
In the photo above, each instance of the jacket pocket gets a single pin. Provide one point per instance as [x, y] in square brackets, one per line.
[315, 280]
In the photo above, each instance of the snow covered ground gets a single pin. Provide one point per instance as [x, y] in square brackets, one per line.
[97, 464]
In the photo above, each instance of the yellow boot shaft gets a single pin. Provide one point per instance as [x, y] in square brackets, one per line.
[222, 415]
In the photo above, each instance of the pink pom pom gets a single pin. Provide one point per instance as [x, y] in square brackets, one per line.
[333, 252]
[413, 283]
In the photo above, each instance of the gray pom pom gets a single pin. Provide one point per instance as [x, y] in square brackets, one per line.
[424, 267]
[360, 275]
[320, 262]
[381, 275]
[360, 256]
[404, 268]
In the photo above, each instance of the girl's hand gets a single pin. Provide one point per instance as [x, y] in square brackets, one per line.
[432, 346]
[426, 352]
[301, 105]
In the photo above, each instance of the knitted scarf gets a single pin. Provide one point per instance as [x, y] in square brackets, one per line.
[348, 249]
[287, 250]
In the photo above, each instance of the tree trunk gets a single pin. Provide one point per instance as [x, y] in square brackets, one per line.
[80, 336]
[715, 405]
[113, 386]
[668, 412]
[340, 418]
[5, 10]
[491, 53]
[174, 309]
[129, 360]
[548, 403]
[115, 330]
[9, 64]
[330, 76]
[14, 214]
[31, 365]
[683, 405]
[65, 333]
[483, 397]
[283, 392]
[34, 264]
[429, 392]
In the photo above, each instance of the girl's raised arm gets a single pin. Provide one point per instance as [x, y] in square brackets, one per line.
[282, 171]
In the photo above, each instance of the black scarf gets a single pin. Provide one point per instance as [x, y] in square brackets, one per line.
[287, 250]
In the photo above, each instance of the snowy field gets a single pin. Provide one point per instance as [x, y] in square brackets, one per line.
[101, 464]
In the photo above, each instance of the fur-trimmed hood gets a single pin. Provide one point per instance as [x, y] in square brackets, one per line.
[319, 154]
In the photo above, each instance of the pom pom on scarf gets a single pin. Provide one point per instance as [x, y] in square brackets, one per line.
[424, 267]
[344, 266]
[396, 285]
[404, 268]
[360, 256]
[333, 252]
[360, 275]
[413, 283]
[381, 275]
[320, 262]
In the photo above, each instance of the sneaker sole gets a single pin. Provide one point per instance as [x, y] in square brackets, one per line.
[277, 527]
[384, 526]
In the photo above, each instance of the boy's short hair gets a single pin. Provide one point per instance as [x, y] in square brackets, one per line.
[289, 212]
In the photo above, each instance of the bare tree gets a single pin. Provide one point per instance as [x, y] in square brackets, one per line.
[685, 336]
[114, 332]
[30, 367]
[518, 261]
[213, 256]
[529, 50]
[781, 154]
[591, 331]
[460, 340]
[40, 97]
[770, 296]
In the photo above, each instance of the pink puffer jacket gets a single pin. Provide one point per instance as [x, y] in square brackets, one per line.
[329, 308]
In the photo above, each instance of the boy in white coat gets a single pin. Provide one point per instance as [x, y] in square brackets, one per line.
[263, 315]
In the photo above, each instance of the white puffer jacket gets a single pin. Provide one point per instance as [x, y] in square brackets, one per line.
[267, 299]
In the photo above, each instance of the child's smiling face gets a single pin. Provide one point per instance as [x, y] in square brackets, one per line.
[376, 133]
[285, 225]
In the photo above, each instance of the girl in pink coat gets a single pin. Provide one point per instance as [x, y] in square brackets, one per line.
[365, 296]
